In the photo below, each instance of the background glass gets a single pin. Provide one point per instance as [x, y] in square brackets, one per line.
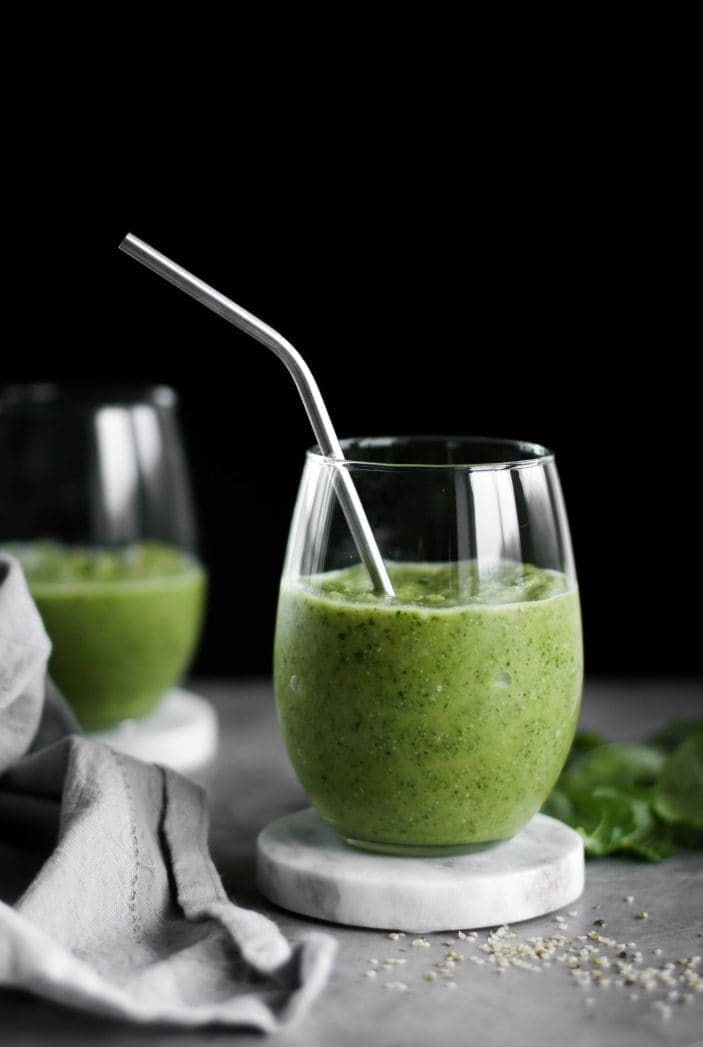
[438, 721]
[96, 502]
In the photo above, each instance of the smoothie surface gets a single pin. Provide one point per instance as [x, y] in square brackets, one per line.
[442, 585]
[52, 563]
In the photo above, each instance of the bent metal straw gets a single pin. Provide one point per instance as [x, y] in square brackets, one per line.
[305, 383]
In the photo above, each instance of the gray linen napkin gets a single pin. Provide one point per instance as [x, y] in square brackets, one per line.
[118, 908]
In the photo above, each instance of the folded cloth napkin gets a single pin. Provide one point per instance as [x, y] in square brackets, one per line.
[115, 906]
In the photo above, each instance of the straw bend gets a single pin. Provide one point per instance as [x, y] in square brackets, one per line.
[305, 383]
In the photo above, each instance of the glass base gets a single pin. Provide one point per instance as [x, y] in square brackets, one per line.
[181, 733]
[410, 850]
[115, 713]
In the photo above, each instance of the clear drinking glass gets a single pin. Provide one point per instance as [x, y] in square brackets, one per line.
[96, 505]
[435, 722]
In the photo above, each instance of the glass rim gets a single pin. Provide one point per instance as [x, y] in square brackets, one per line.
[523, 453]
[85, 396]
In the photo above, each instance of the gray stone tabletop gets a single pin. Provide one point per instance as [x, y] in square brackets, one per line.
[251, 783]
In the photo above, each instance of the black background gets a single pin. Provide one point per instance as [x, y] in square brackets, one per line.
[524, 278]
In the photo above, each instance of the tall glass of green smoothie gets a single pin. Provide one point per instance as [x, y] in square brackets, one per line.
[435, 721]
[95, 503]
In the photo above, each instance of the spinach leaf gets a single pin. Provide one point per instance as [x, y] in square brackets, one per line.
[634, 799]
[622, 820]
[680, 785]
[616, 763]
[675, 732]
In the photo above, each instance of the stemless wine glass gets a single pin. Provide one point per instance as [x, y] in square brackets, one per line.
[437, 721]
[95, 502]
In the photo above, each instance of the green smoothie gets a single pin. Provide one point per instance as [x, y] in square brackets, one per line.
[123, 622]
[438, 719]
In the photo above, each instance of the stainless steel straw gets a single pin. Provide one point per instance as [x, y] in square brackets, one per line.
[305, 383]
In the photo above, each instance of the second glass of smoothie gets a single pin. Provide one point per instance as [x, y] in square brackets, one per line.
[97, 508]
[436, 721]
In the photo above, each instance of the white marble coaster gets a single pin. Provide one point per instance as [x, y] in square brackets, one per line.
[304, 866]
[182, 733]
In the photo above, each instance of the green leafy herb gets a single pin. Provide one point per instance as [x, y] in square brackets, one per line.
[614, 763]
[636, 799]
[680, 798]
[675, 732]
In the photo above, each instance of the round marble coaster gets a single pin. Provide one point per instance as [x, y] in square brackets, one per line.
[181, 733]
[304, 866]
